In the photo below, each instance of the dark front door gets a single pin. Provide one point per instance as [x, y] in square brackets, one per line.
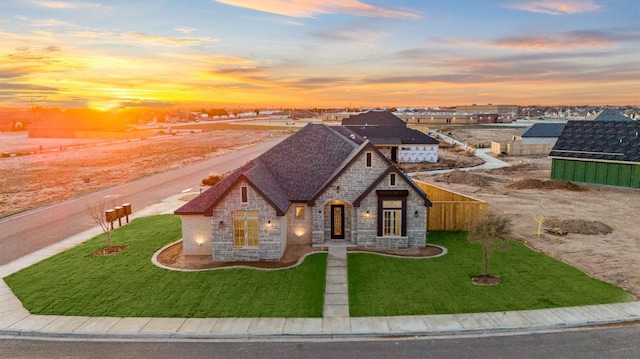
[394, 154]
[337, 221]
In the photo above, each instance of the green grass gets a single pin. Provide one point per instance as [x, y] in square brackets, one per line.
[381, 286]
[128, 284]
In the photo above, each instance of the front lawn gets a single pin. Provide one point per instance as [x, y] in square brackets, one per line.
[129, 285]
[381, 286]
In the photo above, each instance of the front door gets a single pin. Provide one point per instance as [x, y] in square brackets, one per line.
[337, 221]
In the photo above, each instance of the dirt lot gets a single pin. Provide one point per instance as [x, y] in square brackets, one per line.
[523, 192]
[32, 180]
[65, 168]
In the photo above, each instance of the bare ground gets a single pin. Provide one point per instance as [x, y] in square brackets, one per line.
[524, 192]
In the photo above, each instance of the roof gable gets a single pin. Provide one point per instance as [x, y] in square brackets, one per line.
[291, 171]
[374, 118]
[608, 115]
[392, 169]
[599, 140]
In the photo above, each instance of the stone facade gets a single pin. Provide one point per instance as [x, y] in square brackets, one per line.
[272, 229]
[196, 235]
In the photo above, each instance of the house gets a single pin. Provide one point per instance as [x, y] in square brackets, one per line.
[542, 133]
[392, 137]
[321, 184]
[601, 152]
[607, 115]
[536, 140]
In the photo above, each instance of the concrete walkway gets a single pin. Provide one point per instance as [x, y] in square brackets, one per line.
[16, 321]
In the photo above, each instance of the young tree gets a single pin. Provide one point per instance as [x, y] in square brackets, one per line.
[491, 232]
[97, 212]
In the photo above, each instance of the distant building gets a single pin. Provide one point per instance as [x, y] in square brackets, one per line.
[392, 137]
[607, 115]
[508, 112]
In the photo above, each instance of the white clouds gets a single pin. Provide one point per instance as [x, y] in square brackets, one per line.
[64, 4]
[185, 30]
[557, 7]
[310, 8]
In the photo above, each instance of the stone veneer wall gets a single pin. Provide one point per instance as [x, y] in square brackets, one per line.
[416, 227]
[272, 236]
[299, 230]
[352, 182]
[196, 235]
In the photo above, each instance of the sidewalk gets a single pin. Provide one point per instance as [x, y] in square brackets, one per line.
[15, 320]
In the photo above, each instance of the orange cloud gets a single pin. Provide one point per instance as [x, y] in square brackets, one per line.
[309, 8]
[555, 7]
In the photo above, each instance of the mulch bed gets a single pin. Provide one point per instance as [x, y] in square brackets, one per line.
[486, 280]
[173, 257]
[108, 250]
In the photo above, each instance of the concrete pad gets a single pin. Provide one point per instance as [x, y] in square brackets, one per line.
[263, 326]
[406, 324]
[336, 263]
[335, 311]
[336, 288]
[163, 325]
[198, 325]
[65, 324]
[97, 325]
[232, 326]
[336, 299]
[337, 252]
[568, 316]
[336, 326]
[369, 325]
[10, 305]
[337, 279]
[34, 322]
[336, 271]
[632, 309]
[442, 323]
[509, 319]
[542, 317]
[476, 321]
[294, 326]
[129, 325]
[10, 318]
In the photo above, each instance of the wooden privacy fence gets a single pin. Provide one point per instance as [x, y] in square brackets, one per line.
[451, 211]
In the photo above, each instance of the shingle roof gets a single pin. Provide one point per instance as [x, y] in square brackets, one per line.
[374, 118]
[385, 128]
[599, 140]
[544, 130]
[291, 171]
[608, 115]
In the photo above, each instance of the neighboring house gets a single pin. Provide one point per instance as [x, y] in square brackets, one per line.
[323, 183]
[392, 137]
[601, 152]
[542, 133]
[536, 140]
[607, 115]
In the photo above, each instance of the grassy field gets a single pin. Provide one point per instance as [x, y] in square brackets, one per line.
[128, 284]
[381, 286]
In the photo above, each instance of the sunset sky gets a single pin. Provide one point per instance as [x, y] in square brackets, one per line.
[305, 53]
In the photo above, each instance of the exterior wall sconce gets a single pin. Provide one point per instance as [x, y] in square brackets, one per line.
[269, 223]
[367, 214]
[415, 214]
[338, 189]
[221, 224]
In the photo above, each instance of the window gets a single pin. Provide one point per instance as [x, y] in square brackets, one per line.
[299, 212]
[392, 179]
[244, 195]
[245, 228]
[391, 218]
[368, 159]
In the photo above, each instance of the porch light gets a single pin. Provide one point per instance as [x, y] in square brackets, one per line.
[221, 224]
[338, 189]
[367, 214]
[269, 223]
[415, 214]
